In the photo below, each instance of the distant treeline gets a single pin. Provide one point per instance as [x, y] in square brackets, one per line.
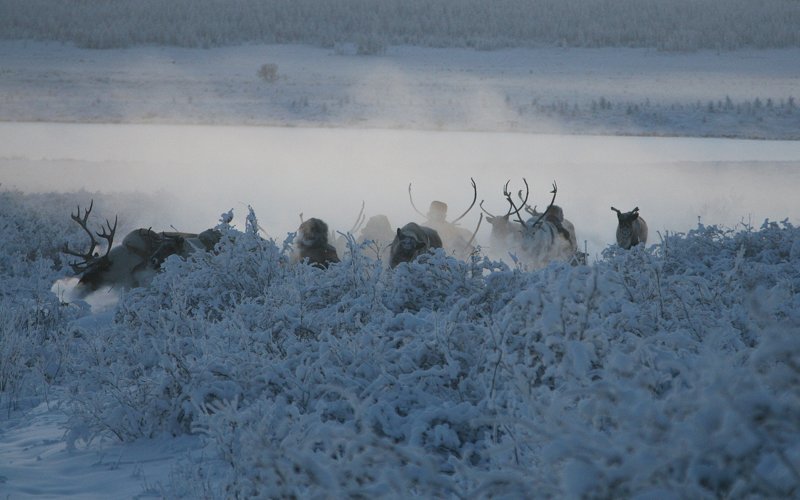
[374, 24]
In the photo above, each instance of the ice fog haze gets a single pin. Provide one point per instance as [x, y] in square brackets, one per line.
[202, 171]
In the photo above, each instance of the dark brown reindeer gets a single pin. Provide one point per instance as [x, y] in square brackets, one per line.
[311, 245]
[135, 261]
[455, 239]
[411, 241]
[631, 228]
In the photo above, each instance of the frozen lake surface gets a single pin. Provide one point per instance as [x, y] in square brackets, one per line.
[282, 172]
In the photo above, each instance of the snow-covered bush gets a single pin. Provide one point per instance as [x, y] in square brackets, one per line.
[672, 370]
[34, 323]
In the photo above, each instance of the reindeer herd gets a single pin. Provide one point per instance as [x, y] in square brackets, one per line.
[534, 241]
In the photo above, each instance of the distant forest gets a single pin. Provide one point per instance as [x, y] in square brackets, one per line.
[672, 25]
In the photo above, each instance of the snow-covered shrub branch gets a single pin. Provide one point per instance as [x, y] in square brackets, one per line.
[668, 370]
[653, 370]
[34, 333]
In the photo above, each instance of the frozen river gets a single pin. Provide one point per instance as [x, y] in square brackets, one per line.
[282, 172]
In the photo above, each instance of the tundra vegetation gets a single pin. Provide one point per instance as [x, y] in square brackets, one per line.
[663, 370]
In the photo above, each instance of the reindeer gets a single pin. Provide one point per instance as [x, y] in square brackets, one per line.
[182, 244]
[311, 244]
[631, 228]
[456, 239]
[378, 232]
[133, 263]
[504, 236]
[411, 241]
[543, 237]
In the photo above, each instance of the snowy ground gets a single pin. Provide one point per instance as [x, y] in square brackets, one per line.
[36, 462]
[149, 92]
[629, 91]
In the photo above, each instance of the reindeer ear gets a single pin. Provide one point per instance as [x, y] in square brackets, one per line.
[398, 231]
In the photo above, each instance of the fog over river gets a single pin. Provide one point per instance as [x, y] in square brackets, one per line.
[327, 173]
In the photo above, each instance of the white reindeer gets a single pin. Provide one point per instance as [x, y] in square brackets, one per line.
[542, 238]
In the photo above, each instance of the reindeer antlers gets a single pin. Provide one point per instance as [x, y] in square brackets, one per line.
[89, 257]
[412, 201]
[554, 191]
[636, 209]
[474, 199]
[82, 222]
[514, 208]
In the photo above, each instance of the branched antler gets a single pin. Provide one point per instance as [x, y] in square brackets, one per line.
[514, 208]
[82, 221]
[554, 191]
[89, 257]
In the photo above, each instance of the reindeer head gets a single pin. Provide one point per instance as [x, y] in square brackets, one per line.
[626, 218]
[312, 233]
[311, 244]
[409, 242]
[93, 267]
[437, 212]
[412, 240]
[631, 229]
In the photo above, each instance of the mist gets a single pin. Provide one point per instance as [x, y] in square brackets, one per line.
[200, 172]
